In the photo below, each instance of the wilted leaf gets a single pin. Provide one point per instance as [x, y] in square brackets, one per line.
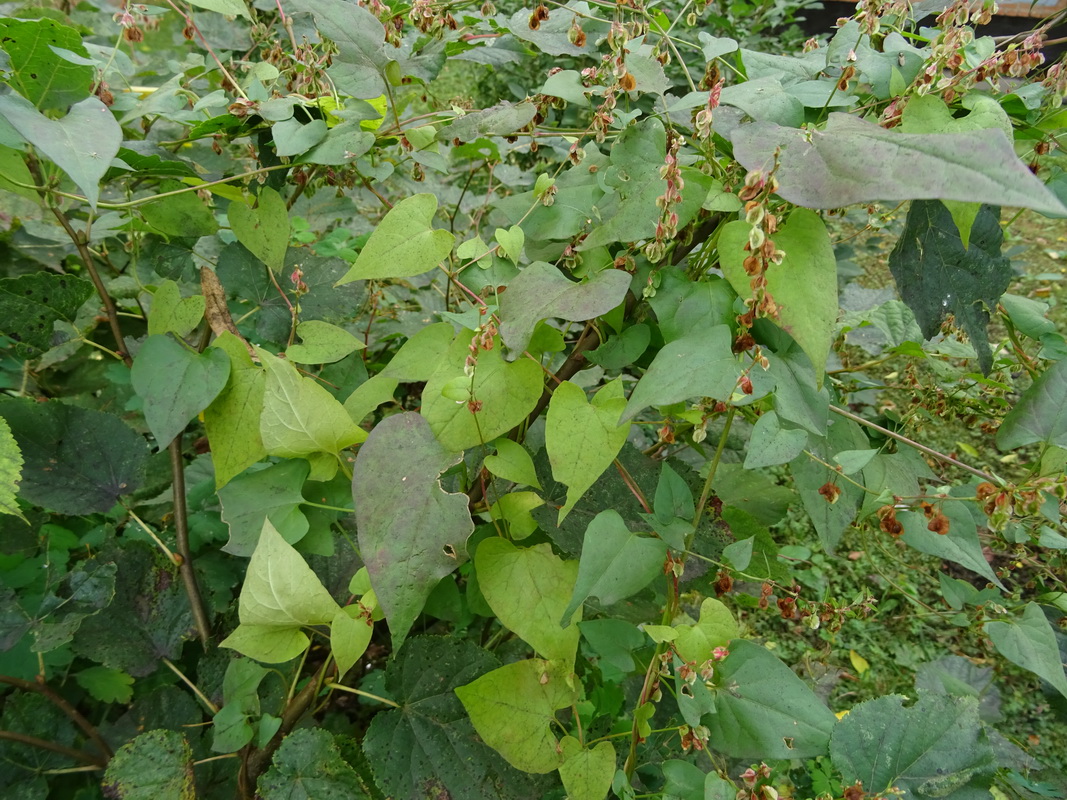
[411, 531]
[854, 161]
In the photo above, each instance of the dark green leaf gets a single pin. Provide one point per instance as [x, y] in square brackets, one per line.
[930, 749]
[155, 765]
[960, 545]
[499, 120]
[309, 766]
[153, 607]
[411, 531]
[936, 275]
[428, 743]
[763, 710]
[31, 304]
[77, 461]
[38, 73]
[176, 383]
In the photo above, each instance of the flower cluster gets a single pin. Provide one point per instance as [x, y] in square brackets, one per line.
[667, 226]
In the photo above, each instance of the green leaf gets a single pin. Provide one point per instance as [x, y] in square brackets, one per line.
[106, 685]
[701, 364]
[929, 749]
[615, 563]
[763, 710]
[513, 709]
[294, 138]
[349, 637]
[404, 243]
[11, 471]
[715, 628]
[31, 304]
[628, 212]
[360, 38]
[582, 437]
[272, 494]
[155, 765]
[511, 241]
[38, 72]
[264, 230]
[506, 392]
[739, 554]
[231, 8]
[673, 498]
[855, 161]
[586, 773]
[428, 741]
[301, 419]
[230, 729]
[82, 143]
[830, 519]
[1031, 643]
[322, 343]
[528, 589]
[499, 120]
[86, 590]
[411, 531]
[771, 444]
[804, 285]
[176, 383]
[936, 275]
[541, 291]
[171, 313]
[150, 601]
[232, 419]
[280, 590]
[960, 545]
[512, 462]
[75, 460]
[266, 643]
[179, 215]
[1040, 415]
[309, 766]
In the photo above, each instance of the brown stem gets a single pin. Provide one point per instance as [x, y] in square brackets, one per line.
[181, 529]
[920, 447]
[44, 744]
[59, 702]
[255, 760]
[87, 258]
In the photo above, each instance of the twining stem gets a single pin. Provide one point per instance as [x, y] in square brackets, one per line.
[60, 703]
[342, 688]
[705, 493]
[181, 531]
[203, 698]
[256, 759]
[82, 246]
[920, 447]
[44, 744]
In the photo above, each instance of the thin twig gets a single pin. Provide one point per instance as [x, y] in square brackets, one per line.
[44, 744]
[920, 447]
[181, 531]
[48, 692]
